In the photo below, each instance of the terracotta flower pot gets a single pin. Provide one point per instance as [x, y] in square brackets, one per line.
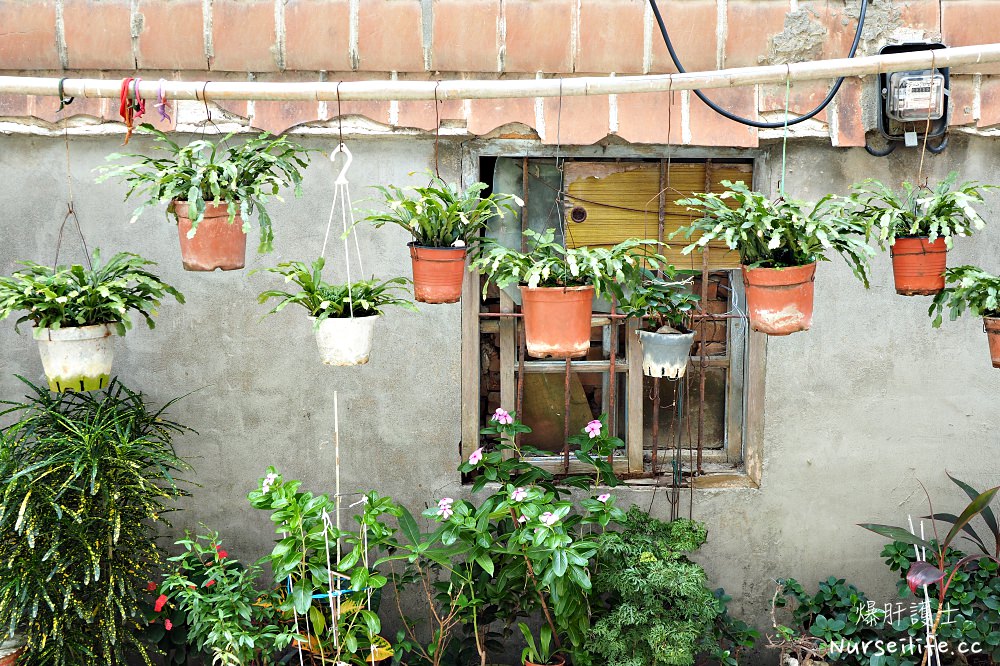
[557, 320]
[11, 651]
[216, 243]
[76, 358]
[557, 660]
[780, 300]
[992, 327]
[918, 266]
[437, 273]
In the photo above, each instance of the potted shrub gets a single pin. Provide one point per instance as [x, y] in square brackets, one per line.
[212, 189]
[973, 289]
[88, 479]
[663, 309]
[444, 222]
[76, 311]
[343, 315]
[779, 242]
[919, 225]
[558, 286]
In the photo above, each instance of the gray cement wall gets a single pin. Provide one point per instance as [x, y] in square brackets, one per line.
[859, 409]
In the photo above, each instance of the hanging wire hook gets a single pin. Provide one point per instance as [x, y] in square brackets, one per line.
[63, 100]
[342, 177]
[437, 130]
[340, 118]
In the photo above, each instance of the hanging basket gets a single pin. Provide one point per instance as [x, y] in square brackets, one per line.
[217, 243]
[557, 320]
[992, 327]
[76, 358]
[780, 300]
[345, 341]
[665, 354]
[918, 266]
[437, 273]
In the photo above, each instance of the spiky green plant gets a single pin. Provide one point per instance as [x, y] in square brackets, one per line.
[86, 480]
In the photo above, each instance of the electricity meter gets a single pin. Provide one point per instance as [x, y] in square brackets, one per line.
[914, 96]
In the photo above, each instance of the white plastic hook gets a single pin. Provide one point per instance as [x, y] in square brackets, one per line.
[341, 148]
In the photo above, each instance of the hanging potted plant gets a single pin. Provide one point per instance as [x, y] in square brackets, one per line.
[558, 286]
[444, 222]
[343, 315]
[779, 242]
[76, 311]
[918, 225]
[212, 189]
[973, 289]
[663, 308]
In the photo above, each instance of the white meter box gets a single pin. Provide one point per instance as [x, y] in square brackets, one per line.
[917, 95]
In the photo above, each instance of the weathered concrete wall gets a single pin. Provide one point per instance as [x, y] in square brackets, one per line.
[857, 410]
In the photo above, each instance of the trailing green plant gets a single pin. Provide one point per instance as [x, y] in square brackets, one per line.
[655, 608]
[323, 300]
[660, 302]
[968, 288]
[105, 293]
[944, 211]
[316, 590]
[838, 623]
[226, 615]
[776, 233]
[441, 214]
[86, 479]
[547, 263]
[244, 176]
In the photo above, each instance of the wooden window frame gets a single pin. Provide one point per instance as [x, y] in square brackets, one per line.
[745, 457]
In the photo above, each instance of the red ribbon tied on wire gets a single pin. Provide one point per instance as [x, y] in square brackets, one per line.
[130, 108]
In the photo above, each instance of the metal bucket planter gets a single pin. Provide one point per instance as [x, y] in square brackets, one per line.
[918, 266]
[346, 340]
[992, 327]
[437, 273]
[665, 354]
[780, 300]
[76, 358]
[557, 320]
[217, 243]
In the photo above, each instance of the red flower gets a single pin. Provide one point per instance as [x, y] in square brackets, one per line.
[221, 553]
[210, 583]
[160, 603]
[150, 586]
[168, 625]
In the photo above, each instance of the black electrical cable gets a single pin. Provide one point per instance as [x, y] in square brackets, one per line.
[757, 123]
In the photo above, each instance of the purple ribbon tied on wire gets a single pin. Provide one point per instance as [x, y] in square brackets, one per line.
[161, 103]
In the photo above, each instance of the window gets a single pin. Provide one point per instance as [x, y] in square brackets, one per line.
[673, 431]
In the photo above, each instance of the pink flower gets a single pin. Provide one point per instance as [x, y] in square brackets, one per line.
[593, 428]
[502, 417]
[523, 519]
[161, 601]
[519, 494]
[168, 625]
[268, 482]
[548, 519]
[604, 497]
[476, 456]
[444, 508]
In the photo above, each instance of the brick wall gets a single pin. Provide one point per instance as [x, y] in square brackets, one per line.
[425, 39]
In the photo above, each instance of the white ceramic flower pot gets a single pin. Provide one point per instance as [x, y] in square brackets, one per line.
[346, 341]
[76, 358]
[665, 354]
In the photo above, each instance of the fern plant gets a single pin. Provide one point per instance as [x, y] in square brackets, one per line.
[657, 609]
[323, 300]
[76, 296]
[970, 288]
[242, 176]
[944, 211]
[86, 480]
[777, 233]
